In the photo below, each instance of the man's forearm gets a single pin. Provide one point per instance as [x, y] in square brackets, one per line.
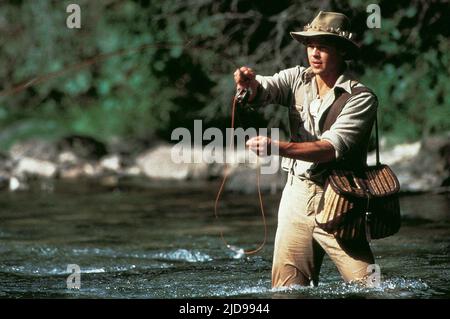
[316, 152]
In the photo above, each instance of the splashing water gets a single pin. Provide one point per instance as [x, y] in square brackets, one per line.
[142, 250]
[184, 255]
[239, 252]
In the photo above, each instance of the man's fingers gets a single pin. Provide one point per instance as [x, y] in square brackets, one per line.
[243, 76]
[253, 141]
[259, 145]
[239, 78]
[257, 141]
[248, 74]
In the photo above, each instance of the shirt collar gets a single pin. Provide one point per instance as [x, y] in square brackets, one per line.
[307, 75]
[343, 81]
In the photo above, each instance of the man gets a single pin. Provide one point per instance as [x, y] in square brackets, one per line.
[309, 93]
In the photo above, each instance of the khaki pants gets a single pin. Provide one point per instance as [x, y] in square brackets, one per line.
[300, 244]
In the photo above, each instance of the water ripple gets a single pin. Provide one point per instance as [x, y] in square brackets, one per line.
[389, 288]
[183, 255]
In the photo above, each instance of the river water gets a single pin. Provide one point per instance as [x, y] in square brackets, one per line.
[161, 240]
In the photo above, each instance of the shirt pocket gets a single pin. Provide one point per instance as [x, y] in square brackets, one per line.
[301, 119]
[295, 122]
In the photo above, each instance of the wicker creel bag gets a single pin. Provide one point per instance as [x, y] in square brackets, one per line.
[358, 205]
[362, 202]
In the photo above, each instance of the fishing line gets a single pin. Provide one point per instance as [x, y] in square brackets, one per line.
[237, 99]
[87, 62]
[240, 98]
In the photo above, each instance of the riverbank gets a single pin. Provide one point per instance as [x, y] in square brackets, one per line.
[423, 166]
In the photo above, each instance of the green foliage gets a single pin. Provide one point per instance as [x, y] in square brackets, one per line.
[141, 68]
[408, 61]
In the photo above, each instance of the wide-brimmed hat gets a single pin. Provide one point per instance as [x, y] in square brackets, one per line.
[333, 26]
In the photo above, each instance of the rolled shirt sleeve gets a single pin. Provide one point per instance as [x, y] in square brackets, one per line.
[353, 123]
[279, 88]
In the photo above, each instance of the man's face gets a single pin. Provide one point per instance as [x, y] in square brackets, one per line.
[323, 58]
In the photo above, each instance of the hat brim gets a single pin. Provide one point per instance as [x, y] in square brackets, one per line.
[351, 48]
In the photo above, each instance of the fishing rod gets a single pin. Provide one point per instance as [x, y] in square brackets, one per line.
[87, 62]
[241, 98]
[104, 56]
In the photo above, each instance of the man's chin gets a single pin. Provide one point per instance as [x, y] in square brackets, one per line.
[316, 70]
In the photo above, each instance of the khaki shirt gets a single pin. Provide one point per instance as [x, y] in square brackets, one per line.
[296, 88]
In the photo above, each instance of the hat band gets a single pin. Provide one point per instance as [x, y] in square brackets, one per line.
[337, 31]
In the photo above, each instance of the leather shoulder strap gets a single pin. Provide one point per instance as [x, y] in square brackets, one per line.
[338, 105]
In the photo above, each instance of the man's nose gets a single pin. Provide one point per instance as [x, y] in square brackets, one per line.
[315, 51]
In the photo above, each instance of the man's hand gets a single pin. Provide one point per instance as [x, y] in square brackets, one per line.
[245, 78]
[315, 152]
[260, 145]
